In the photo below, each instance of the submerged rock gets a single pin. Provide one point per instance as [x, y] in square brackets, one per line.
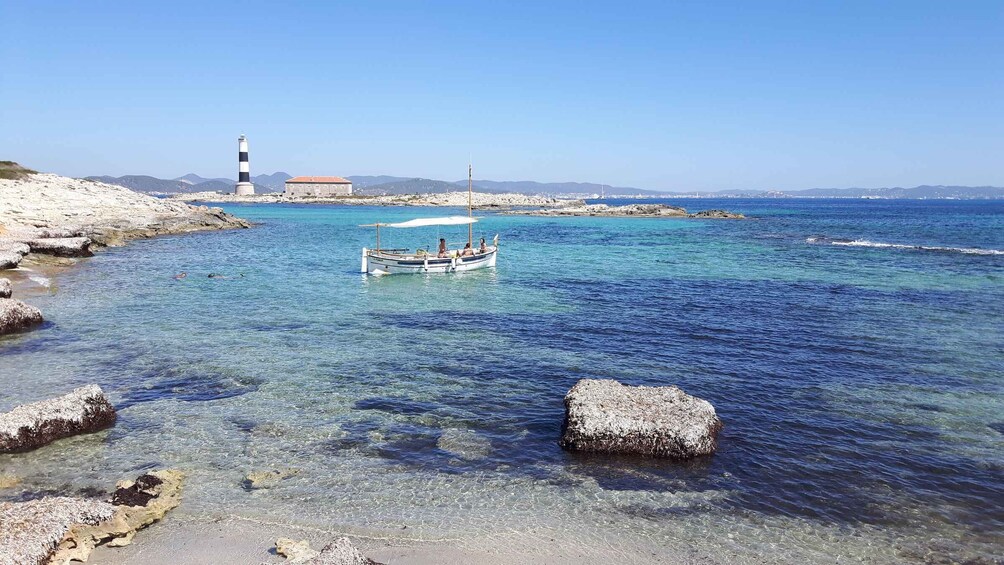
[465, 444]
[265, 479]
[16, 316]
[604, 415]
[29, 426]
[62, 246]
[338, 552]
[5, 288]
[57, 530]
[8, 481]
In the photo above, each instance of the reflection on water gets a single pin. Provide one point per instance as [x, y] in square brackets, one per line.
[860, 387]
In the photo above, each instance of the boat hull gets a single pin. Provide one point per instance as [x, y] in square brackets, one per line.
[377, 263]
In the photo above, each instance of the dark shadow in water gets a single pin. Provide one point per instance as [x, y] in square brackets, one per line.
[189, 384]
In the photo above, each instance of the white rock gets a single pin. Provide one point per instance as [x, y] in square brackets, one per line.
[606, 416]
[33, 425]
[16, 316]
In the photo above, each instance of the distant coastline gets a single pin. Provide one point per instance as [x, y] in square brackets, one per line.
[385, 185]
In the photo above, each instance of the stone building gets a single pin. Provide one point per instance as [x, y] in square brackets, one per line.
[318, 186]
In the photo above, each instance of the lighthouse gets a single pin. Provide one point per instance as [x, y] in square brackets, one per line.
[243, 186]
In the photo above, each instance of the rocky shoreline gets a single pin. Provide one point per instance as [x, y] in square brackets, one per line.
[480, 200]
[53, 216]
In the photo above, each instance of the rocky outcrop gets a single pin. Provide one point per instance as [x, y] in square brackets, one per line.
[338, 552]
[41, 208]
[11, 252]
[62, 246]
[479, 200]
[627, 211]
[57, 530]
[717, 214]
[5, 288]
[137, 504]
[16, 316]
[603, 415]
[605, 210]
[30, 532]
[30, 426]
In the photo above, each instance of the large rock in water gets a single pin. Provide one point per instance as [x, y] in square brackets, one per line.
[57, 530]
[5, 288]
[29, 426]
[607, 416]
[16, 316]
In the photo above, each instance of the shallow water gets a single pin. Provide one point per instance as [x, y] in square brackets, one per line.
[860, 385]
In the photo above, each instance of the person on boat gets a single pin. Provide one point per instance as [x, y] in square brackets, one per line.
[468, 252]
[483, 248]
[442, 249]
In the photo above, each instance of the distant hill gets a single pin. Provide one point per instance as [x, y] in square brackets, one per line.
[560, 188]
[363, 181]
[192, 178]
[276, 182]
[409, 186]
[192, 183]
[148, 184]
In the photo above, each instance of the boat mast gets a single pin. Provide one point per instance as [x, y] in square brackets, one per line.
[470, 196]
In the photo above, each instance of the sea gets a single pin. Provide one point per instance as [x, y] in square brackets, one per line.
[854, 350]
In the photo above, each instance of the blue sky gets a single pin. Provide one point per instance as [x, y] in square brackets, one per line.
[661, 95]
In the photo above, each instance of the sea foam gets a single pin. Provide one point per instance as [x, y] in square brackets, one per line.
[878, 244]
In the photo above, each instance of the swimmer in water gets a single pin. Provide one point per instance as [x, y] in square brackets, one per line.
[180, 276]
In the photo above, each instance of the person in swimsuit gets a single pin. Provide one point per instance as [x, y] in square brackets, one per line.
[468, 252]
[442, 249]
[483, 248]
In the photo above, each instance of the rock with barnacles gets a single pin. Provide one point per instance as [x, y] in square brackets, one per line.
[603, 415]
[33, 425]
[58, 530]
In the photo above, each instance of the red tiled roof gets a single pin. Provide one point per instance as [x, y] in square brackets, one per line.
[332, 180]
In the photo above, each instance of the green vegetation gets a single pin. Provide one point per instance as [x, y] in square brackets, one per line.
[12, 171]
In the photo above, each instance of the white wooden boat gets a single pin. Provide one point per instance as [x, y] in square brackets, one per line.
[395, 261]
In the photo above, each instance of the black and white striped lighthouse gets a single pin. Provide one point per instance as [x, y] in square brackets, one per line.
[244, 186]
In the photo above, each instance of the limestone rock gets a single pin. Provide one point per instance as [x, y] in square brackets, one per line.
[137, 504]
[338, 552]
[5, 288]
[30, 532]
[604, 415]
[29, 426]
[295, 551]
[58, 530]
[266, 479]
[9, 260]
[62, 246]
[16, 316]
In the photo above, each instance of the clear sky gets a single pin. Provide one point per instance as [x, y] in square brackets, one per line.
[661, 95]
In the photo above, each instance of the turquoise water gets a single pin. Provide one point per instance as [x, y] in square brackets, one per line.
[854, 350]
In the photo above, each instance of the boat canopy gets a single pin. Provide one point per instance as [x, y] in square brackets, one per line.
[422, 222]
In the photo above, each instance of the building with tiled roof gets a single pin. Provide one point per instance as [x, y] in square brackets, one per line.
[318, 186]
